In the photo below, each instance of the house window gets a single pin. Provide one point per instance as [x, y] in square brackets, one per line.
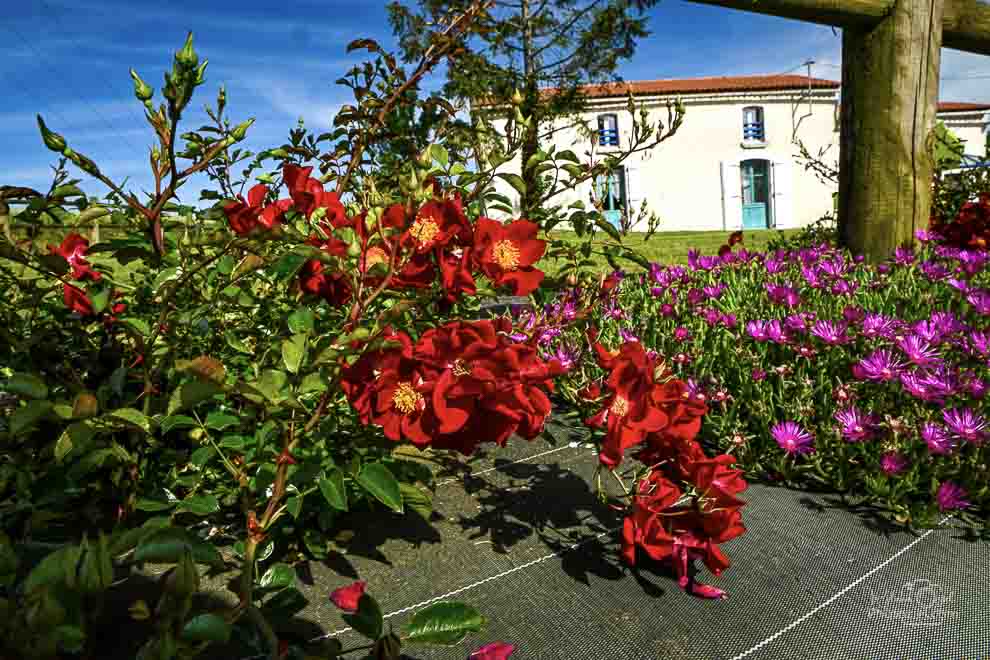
[611, 190]
[753, 124]
[608, 130]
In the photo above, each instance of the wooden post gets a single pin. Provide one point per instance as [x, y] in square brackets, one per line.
[890, 69]
[889, 101]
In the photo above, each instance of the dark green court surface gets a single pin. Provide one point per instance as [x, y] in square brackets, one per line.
[523, 539]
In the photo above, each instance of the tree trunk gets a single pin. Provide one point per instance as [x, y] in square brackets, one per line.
[529, 202]
[889, 102]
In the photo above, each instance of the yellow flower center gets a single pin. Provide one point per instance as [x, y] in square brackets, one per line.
[619, 407]
[461, 369]
[424, 230]
[506, 255]
[406, 399]
[375, 255]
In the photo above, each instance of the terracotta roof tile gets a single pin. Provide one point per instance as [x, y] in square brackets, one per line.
[953, 106]
[710, 85]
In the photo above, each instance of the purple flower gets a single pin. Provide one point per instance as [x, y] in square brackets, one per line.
[695, 296]
[980, 300]
[929, 331]
[915, 385]
[776, 332]
[853, 314]
[729, 321]
[942, 380]
[796, 323]
[883, 269]
[960, 285]
[972, 262]
[934, 271]
[878, 325]
[775, 266]
[715, 292]
[758, 375]
[626, 335]
[926, 236]
[682, 334]
[783, 295]
[810, 274]
[855, 425]
[757, 330]
[966, 425]
[696, 390]
[835, 266]
[980, 342]
[903, 256]
[977, 387]
[667, 310]
[546, 335]
[881, 365]
[711, 316]
[656, 291]
[937, 438]
[951, 496]
[830, 332]
[919, 351]
[844, 287]
[893, 462]
[792, 438]
[567, 356]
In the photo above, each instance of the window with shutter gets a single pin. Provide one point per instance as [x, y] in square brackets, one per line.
[608, 130]
[753, 129]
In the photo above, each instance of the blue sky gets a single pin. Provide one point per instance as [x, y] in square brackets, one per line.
[69, 60]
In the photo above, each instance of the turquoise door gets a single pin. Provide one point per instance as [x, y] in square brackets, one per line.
[611, 190]
[755, 194]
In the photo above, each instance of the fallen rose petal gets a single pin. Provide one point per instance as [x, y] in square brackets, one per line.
[493, 651]
[346, 598]
[705, 591]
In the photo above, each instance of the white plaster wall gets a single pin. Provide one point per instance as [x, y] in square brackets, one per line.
[681, 179]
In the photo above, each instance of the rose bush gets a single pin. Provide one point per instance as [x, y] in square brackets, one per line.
[240, 377]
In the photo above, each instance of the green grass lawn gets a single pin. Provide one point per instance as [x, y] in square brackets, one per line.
[671, 247]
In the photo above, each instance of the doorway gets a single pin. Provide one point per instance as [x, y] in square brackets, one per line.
[755, 175]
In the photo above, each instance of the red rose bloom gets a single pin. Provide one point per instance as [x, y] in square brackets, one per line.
[438, 223]
[506, 254]
[347, 598]
[73, 249]
[308, 195]
[77, 300]
[246, 217]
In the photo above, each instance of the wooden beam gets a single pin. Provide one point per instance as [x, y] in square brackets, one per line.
[965, 23]
[889, 101]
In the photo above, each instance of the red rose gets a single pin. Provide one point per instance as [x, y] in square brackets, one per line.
[77, 300]
[506, 254]
[73, 249]
[493, 651]
[347, 598]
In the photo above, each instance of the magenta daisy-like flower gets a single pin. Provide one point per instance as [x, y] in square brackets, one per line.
[893, 462]
[682, 334]
[776, 332]
[951, 496]
[757, 330]
[929, 331]
[792, 438]
[855, 425]
[937, 438]
[926, 236]
[980, 300]
[627, 335]
[942, 380]
[903, 256]
[919, 351]
[796, 323]
[830, 332]
[934, 271]
[844, 287]
[979, 342]
[758, 375]
[965, 424]
[881, 365]
[783, 295]
[916, 386]
[878, 325]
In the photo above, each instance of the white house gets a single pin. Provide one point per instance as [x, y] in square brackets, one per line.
[732, 164]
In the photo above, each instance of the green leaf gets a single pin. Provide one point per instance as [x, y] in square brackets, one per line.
[27, 416]
[202, 456]
[54, 568]
[293, 352]
[278, 576]
[237, 344]
[167, 545]
[285, 604]
[514, 180]
[200, 505]
[189, 395]
[100, 297]
[147, 504]
[273, 385]
[313, 382]
[76, 436]
[130, 417]
[417, 500]
[219, 421]
[176, 422]
[125, 541]
[164, 276]
[368, 619]
[207, 628]
[439, 154]
[380, 482]
[332, 487]
[443, 623]
[301, 320]
[288, 265]
[27, 385]
[294, 505]
[70, 638]
[607, 226]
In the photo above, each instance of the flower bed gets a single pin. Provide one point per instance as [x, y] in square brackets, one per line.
[820, 370]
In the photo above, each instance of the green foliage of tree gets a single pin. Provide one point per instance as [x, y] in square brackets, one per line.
[524, 47]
